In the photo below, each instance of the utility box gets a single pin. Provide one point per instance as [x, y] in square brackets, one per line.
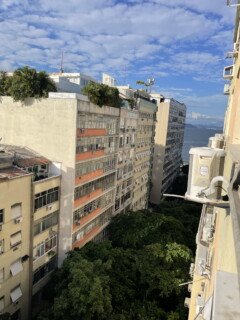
[205, 166]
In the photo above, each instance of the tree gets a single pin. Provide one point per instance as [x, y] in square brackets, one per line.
[101, 94]
[5, 83]
[134, 275]
[28, 83]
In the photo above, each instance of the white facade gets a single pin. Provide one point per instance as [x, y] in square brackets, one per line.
[70, 82]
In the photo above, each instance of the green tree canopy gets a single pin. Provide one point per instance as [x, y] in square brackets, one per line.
[101, 94]
[26, 83]
[134, 275]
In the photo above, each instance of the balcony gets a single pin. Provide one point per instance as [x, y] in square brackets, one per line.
[89, 155]
[87, 218]
[87, 198]
[89, 177]
[88, 237]
[228, 72]
[91, 132]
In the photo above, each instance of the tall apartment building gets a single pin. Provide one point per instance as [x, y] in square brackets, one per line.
[215, 288]
[143, 131]
[126, 158]
[168, 144]
[69, 129]
[29, 206]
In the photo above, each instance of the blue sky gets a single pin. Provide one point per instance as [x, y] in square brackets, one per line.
[181, 43]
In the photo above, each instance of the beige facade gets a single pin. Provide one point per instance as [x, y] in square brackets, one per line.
[215, 290]
[143, 153]
[167, 145]
[126, 153]
[28, 182]
[141, 118]
[15, 211]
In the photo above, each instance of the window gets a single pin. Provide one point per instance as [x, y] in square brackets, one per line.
[46, 197]
[44, 247]
[46, 223]
[1, 216]
[1, 277]
[1, 246]
[16, 294]
[42, 271]
[1, 303]
[16, 239]
[16, 211]
[16, 267]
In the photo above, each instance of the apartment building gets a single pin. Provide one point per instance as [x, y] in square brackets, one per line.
[168, 144]
[126, 157]
[215, 287]
[143, 131]
[143, 152]
[29, 205]
[84, 138]
[70, 82]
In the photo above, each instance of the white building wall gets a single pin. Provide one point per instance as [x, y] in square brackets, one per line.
[47, 126]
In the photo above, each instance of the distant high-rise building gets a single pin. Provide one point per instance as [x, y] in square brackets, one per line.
[168, 144]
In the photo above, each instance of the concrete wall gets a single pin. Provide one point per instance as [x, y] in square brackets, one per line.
[159, 151]
[47, 126]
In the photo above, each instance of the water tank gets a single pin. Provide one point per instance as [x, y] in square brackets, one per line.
[205, 165]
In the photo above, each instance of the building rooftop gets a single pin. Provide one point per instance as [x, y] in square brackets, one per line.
[19, 161]
[11, 173]
[22, 157]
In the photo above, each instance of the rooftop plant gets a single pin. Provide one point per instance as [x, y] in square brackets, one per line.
[101, 94]
[26, 83]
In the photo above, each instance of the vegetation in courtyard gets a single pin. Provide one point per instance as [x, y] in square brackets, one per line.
[102, 95]
[26, 83]
[135, 275]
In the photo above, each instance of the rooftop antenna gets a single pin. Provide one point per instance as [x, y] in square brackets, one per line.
[230, 3]
[61, 68]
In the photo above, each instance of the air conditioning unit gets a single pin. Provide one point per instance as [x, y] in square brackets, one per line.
[205, 176]
[226, 89]
[187, 302]
[191, 270]
[82, 130]
[236, 47]
[49, 207]
[18, 220]
[78, 223]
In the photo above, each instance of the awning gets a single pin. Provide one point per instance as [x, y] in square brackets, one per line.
[16, 267]
[16, 294]
[16, 211]
[16, 238]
